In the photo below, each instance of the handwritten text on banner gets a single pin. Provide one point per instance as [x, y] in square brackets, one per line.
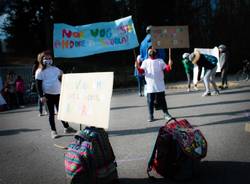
[77, 41]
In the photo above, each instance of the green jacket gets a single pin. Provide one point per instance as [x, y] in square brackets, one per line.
[188, 65]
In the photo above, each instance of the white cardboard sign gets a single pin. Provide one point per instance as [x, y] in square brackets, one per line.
[85, 98]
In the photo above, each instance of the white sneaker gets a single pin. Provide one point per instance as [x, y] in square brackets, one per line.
[206, 94]
[54, 134]
[167, 116]
[188, 89]
[69, 130]
[195, 88]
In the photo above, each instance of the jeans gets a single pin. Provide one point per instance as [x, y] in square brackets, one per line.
[140, 82]
[209, 76]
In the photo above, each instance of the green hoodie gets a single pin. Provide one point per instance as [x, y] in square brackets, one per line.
[188, 65]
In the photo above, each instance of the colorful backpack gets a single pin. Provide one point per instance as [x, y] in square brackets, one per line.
[90, 158]
[178, 150]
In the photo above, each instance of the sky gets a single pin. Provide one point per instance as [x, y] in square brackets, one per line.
[2, 18]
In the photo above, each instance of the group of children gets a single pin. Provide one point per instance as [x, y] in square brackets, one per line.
[152, 69]
[12, 92]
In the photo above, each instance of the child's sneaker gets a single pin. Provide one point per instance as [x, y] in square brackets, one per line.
[54, 134]
[215, 93]
[206, 94]
[69, 130]
[195, 88]
[167, 116]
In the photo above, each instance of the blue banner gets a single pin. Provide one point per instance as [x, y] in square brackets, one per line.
[78, 41]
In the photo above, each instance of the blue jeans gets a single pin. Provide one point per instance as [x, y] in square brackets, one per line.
[140, 82]
[209, 76]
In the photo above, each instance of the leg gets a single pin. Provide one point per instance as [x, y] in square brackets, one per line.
[50, 103]
[188, 80]
[206, 81]
[57, 97]
[150, 101]
[212, 79]
[162, 101]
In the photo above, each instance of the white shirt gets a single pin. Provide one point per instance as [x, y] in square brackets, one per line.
[50, 77]
[37, 72]
[154, 74]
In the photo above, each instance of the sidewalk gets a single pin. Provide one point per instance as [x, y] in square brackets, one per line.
[182, 85]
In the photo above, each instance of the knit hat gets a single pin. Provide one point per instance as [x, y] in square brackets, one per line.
[194, 57]
[185, 55]
[222, 47]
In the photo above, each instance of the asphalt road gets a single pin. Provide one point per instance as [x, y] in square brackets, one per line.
[28, 154]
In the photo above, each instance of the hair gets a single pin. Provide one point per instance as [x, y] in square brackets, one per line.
[152, 52]
[40, 57]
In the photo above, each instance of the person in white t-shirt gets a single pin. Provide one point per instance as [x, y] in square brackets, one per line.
[49, 87]
[153, 69]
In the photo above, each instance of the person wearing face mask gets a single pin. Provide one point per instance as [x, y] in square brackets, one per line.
[49, 86]
[153, 69]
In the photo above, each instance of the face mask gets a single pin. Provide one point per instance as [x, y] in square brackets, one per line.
[47, 62]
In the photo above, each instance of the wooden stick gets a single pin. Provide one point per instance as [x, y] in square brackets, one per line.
[61, 147]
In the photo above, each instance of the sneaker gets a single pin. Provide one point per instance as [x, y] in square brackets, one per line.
[195, 88]
[69, 130]
[167, 116]
[188, 89]
[215, 93]
[150, 119]
[54, 134]
[206, 94]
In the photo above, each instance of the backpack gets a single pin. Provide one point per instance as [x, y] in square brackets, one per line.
[92, 158]
[178, 150]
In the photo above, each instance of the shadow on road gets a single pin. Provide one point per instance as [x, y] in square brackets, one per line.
[211, 172]
[127, 107]
[243, 113]
[133, 131]
[16, 131]
[214, 103]
[229, 121]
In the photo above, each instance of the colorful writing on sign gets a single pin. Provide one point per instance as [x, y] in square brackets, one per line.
[78, 41]
[170, 36]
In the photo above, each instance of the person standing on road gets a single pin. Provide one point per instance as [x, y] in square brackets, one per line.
[209, 63]
[37, 68]
[20, 91]
[223, 53]
[49, 86]
[188, 66]
[140, 77]
[154, 68]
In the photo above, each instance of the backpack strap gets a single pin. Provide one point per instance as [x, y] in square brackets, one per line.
[172, 118]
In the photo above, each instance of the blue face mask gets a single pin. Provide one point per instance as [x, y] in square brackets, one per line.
[47, 62]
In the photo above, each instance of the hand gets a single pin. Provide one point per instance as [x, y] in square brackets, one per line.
[43, 99]
[136, 64]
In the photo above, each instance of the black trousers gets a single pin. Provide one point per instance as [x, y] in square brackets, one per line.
[160, 100]
[52, 102]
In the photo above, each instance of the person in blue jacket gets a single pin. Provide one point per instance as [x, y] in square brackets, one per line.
[146, 44]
